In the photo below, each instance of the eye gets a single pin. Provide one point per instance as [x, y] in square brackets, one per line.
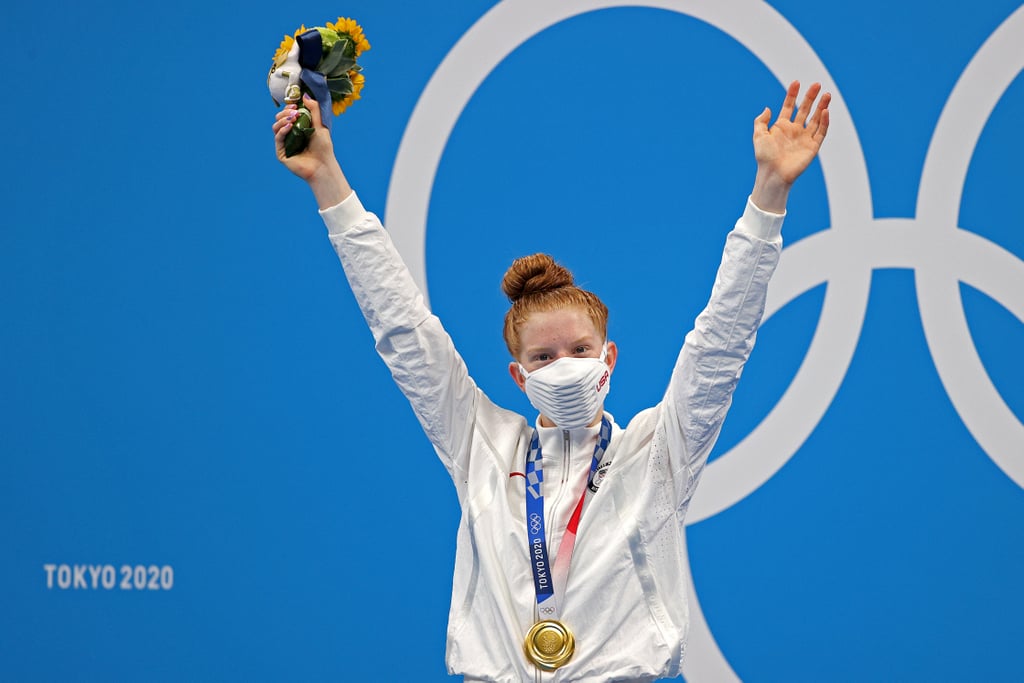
[581, 349]
[543, 357]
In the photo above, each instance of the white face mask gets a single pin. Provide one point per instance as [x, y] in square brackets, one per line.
[569, 391]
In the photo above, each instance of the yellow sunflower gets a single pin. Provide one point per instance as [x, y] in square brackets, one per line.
[349, 27]
[358, 81]
[286, 46]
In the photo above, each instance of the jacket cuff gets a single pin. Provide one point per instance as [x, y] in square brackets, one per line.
[343, 215]
[762, 224]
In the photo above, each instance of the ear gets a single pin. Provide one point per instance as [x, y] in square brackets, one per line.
[611, 356]
[517, 376]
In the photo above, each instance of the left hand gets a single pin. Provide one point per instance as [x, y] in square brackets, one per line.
[788, 147]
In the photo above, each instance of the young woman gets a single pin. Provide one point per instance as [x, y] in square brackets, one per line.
[570, 565]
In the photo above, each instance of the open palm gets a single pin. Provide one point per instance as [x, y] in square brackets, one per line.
[789, 146]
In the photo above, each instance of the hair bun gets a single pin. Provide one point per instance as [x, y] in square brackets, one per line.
[534, 274]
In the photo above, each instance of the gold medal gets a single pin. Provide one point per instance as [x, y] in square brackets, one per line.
[549, 644]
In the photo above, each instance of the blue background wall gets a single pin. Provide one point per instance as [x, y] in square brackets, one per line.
[186, 383]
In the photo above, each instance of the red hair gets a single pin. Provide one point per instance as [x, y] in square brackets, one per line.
[536, 283]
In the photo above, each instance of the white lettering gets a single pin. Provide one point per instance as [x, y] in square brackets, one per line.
[96, 576]
[542, 575]
[64, 576]
[109, 576]
[166, 577]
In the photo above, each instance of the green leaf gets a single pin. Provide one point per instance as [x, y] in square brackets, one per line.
[336, 63]
[340, 86]
[331, 59]
[343, 68]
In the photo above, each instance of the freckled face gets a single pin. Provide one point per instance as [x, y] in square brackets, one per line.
[547, 336]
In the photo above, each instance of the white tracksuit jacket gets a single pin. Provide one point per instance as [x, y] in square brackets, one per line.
[626, 596]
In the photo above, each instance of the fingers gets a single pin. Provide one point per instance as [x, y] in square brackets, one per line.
[286, 110]
[786, 113]
[822, 131]
[807, 104]
[283, 121]
[285, 117]
[314, 109]
[817, 126]
[816, 122]
[761, 122]
[281, 128]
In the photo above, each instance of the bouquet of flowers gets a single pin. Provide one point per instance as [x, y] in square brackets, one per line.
[321, 62]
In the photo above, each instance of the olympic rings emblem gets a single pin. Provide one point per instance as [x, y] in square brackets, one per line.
[535, 523]
[844, 254]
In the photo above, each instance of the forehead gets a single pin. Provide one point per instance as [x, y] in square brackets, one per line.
[565, 325]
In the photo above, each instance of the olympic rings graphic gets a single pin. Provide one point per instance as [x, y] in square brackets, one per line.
[535, 523]
[844, 254]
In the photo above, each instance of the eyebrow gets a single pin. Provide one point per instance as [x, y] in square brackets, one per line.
[582, 341]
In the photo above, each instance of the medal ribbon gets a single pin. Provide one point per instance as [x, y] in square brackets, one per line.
[545, 576]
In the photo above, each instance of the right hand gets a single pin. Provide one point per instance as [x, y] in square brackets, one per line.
[316, 164]
[320, 152]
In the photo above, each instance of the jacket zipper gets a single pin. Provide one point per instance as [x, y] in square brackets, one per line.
[556, 499]
[566, 452]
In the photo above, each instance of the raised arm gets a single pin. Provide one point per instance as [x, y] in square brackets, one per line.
[317, 165]
[715, 351]
[409, 338]
[787, 148]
